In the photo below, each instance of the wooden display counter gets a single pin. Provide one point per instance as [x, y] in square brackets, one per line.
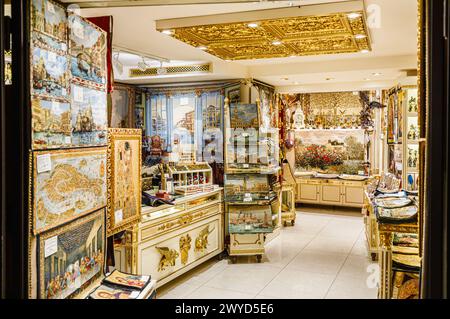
[170, 240]
[336, 192]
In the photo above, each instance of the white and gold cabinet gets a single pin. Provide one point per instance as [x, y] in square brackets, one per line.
[308, 192]
[171, 240]
[246, 244]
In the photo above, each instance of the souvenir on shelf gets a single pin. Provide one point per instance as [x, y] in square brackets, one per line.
[247, 188]
[50, 123]
[353, 177]
[389, 183]
[191, 178]
[405, 214]
[392, 202]
[405, 243]
[89, 116]
[87, 50]
[405, 285]
[49, 75]
[66, 185]
[406, 260]
[109, 292]
[250, 219]
[50, 18]
[124, 178]
[127, 280]
[71, 257]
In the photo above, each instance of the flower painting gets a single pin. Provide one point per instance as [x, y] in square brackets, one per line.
[87, 48]
[71, 257]
[330, 151]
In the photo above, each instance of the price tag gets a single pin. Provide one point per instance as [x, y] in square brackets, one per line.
[118, 216]
[78, 94]
[134, 294]
[44, 163]
[50, 246]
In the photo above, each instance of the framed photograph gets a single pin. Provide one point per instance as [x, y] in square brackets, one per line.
[50, 18]
[124, 179]
[89, 116]
[71, 257]
[87, 50]
[244, 116]
[67, 184]
[122, 107]
[250, 219]
[50, 123]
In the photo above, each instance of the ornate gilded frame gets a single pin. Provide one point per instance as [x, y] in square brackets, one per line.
[33, 186]
[123, 134]
[58, 231]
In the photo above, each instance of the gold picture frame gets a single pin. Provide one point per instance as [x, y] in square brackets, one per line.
[57, 199]
[124, 178]
[63, 274]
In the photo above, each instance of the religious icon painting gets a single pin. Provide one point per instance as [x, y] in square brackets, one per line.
[127, 280]
[124, 178]
[87, 50]
[67, 184]
[71, 257]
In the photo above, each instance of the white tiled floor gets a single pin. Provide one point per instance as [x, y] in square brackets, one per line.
[323, 256]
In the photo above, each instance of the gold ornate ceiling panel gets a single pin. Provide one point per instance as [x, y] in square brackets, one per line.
[282, 37]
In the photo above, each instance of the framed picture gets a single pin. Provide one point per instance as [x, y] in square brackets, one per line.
[87, 50]
[89, 116]
[67, 184]
[71, 257]
[246, 187]
[244, 116]
[49, 73]
[122, 107]
[234, 95]
[50, 123]
[124, 178]
[250, 219]
[50, 18]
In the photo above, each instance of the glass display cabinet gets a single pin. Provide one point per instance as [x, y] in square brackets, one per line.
[191, 178]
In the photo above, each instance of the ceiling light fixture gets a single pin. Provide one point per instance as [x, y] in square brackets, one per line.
[376, 74]
[253, 25]
[142, 65]
[329, 79]
[168, 32]
[285, 79]
[353, 15]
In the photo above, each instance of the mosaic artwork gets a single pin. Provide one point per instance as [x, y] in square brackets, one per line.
[124, 181]
[71, 257]
[89, 116]
[330, 151]
[50, 18]
[87, 48]
[250, 219]
[51, 123]
[49, 73]
[67, 184]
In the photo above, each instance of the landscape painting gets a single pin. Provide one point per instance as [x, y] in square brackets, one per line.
[51, 123]
[50, 18]
[330, 151]
[72, 184]
[250, 219]
[124, 182]
[49, 73]
[87, 48]
[237, 186]
[89, 116]
[71, 257]
[244, 115]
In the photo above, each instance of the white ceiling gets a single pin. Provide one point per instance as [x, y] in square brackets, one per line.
[394, 47]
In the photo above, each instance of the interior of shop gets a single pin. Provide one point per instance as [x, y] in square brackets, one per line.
[241, 150]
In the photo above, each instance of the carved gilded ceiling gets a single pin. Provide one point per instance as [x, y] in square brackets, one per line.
[299, 36]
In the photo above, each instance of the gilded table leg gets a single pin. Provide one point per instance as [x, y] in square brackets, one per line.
[385, 265]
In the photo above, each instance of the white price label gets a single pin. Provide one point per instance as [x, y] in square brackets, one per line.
[44, 163]
[245, 165]
[50, 246]
[118, 216]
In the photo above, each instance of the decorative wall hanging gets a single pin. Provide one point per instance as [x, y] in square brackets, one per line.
[71, 257]
[89, 116]
[87, 50]
[50, 18]
[122, 107]
[67, 184]
[124, 179]
[244, 116]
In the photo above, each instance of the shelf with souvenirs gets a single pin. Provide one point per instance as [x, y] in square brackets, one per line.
[251, 169]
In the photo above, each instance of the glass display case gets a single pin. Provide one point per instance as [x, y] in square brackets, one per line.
[248, 188]
[191, 178]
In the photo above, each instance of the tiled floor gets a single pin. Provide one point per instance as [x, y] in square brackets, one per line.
[323, 256]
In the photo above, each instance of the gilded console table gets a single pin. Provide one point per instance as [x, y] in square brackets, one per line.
[171, 240]
[386, 232]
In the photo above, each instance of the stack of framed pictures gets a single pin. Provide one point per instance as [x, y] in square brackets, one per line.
[68, 160]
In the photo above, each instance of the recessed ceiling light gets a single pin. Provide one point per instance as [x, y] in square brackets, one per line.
[296, 83]
[353, 15]
[376, 74]
[329, 79]
[285, 79]
[364, 51]
[202, 47]
[253, 25]
[276, 42]
[168, 32]
[366, 79]
[360, 36]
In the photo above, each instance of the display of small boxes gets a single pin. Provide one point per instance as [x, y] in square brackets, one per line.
[191, 178]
